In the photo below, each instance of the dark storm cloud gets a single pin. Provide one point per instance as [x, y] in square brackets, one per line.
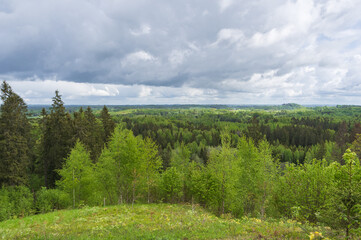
[231, 49]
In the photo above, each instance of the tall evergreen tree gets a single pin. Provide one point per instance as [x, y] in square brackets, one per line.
[108, 123]
[89, 131]
[56, 140]
[14, 138]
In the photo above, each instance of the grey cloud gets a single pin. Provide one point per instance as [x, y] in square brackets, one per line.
[196, 44]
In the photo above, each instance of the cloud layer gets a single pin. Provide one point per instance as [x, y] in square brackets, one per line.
[226, 51]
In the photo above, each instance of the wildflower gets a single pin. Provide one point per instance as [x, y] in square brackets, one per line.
[316, 235]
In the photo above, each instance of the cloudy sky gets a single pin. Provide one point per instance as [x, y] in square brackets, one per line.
[182, 51]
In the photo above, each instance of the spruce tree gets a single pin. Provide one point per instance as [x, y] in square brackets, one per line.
[89, 131]
[108, 123]
[94, 141]
[14, 138]
[57, 140]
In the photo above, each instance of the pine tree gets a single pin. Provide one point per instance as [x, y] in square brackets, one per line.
[14, 138]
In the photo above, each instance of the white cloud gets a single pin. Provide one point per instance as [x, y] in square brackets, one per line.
[224, 4]
[271, 37]
[143, 30]
[233, 36]
[135, 57]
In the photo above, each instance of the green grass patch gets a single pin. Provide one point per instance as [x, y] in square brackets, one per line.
[152, 221]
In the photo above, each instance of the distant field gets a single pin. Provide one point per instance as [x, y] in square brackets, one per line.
[153, 221]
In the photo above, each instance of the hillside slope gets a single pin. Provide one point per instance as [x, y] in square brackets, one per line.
[152, 221]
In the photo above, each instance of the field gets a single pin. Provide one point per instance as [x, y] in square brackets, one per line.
[152, 221]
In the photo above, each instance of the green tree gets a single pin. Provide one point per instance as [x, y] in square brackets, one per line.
[57, 140]
[180, 160]
[356, 145]
[77, 175]
[15, 139]
[222, 165]
[172, 185]
[302, 191]
[344, 211]
[108, 124]
[151, 165]
[121, 168]
[89, 131]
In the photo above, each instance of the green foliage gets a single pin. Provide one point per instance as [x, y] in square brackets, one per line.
[15, 202]
[89, 131]
[128, 168]
[256, 177]
[223, 166]
[108, 124]
[48, 200]
[151, 165]
[172, 185]
[56, 140]
[77, 175]
[344, 202]
[15, 139]
[302, 191]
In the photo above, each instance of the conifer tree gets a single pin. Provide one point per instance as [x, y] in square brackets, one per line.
[56, 140]
[94, 141]
[108, 123]
[89, 131]
[14, 138]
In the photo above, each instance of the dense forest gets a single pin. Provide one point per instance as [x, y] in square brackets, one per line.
[286, 161]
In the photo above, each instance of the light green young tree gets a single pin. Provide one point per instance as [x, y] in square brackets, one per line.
[345, 200]
[302, 191]
[119, 166]
[180, 160]
[151, 164]
[77, 175]
[222, 166]
[265, 177]
[257, 175]
[128, 167]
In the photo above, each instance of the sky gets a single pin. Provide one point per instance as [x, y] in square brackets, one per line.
[182, 51]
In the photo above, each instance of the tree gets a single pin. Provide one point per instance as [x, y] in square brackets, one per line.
[57, 140]
[108, 124]
[356, 145]
[222, 165]
[126, 165]
[89, 131]
[77, 175]
[345, 199]
[15, 139]
[151, 164]
[180, 161]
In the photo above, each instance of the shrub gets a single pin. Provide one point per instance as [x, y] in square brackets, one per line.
[15, 201]
[51, 199]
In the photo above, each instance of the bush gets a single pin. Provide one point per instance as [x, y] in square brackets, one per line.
[15, 201]
[51, 199]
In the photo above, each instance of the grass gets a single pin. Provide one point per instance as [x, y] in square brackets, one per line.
[152, 221]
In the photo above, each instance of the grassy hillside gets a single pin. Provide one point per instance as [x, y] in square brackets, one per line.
[154, 221]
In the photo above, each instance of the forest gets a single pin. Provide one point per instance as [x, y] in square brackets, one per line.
[282, 162]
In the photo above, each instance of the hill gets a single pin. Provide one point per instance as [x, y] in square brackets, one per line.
[152, 221]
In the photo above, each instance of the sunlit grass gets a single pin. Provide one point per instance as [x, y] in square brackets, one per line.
[153, 221]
